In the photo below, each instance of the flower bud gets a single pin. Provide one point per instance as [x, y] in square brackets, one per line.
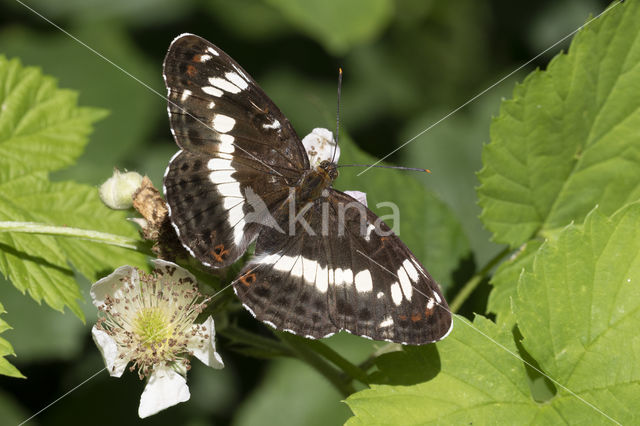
[118, 190]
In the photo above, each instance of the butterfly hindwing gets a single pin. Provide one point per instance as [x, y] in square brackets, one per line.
[387, 294]
[316, 284]
[219, 211]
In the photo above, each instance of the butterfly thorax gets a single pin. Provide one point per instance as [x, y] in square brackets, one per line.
[315, 181]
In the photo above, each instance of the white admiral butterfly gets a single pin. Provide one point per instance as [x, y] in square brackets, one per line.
[243, 174]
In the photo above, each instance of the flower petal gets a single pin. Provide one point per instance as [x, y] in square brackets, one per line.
[112, 285]
[320, 146]
[110, 352]
[165, 388]
[206, 351]
[361, 197]
[175, 278]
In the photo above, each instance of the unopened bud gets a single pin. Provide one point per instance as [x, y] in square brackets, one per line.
[118, 190]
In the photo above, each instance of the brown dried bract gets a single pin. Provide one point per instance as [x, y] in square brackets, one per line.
[156, 226]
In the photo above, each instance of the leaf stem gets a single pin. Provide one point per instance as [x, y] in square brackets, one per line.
[371, 361]
[65, 231]
[351, 370]
[305, 353]
[239, 335]
[476, 279]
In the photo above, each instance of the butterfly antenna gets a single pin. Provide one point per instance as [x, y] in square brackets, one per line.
[337, 113]
[413, 169]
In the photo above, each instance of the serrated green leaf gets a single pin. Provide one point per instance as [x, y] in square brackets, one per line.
[478, 382]
[42, 129]
[427, 226]
[40, 264]
[585, 287]
[568, 139]
[41, 126]
[77, 205]
[337, 25]
[505, 280]
[481, 380]
[6, 368]
[408, 366]
[116, 140]
[34, 263]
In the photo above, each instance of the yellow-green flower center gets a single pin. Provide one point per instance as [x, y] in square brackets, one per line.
[152, 326]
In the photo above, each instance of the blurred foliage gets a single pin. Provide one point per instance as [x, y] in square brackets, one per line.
[407, 63]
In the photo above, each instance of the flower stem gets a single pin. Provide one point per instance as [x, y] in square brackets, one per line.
[305, 353]
[476, 279]
[65, 231]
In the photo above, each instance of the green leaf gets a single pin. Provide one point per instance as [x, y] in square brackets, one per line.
[73, 204]
[41, 126]
[141, 13]
[252, 20]
[568, 139]
[478, 382]
[427, 226]
[337, 25]
[43, 129]
[579, 311]
[292, 393]
[6, 368]
[39, 264]
[134, 111]
[61, 337]
[505, 281]
[479, 379]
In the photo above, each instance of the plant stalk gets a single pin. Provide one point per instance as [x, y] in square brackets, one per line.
[65, 231]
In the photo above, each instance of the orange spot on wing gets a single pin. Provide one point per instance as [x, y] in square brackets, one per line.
[191, 70]
[428, 311]
[248, 279]
[219, 252]
[416, 317]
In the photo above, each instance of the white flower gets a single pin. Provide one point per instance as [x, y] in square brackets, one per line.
[148, 319]
[320, 146]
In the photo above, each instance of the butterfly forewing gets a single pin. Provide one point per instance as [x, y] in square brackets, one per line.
[234, 139]
[216, 107]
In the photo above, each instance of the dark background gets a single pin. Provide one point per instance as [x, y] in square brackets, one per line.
[407, 63]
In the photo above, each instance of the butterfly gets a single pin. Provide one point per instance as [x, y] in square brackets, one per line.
[323, 261]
